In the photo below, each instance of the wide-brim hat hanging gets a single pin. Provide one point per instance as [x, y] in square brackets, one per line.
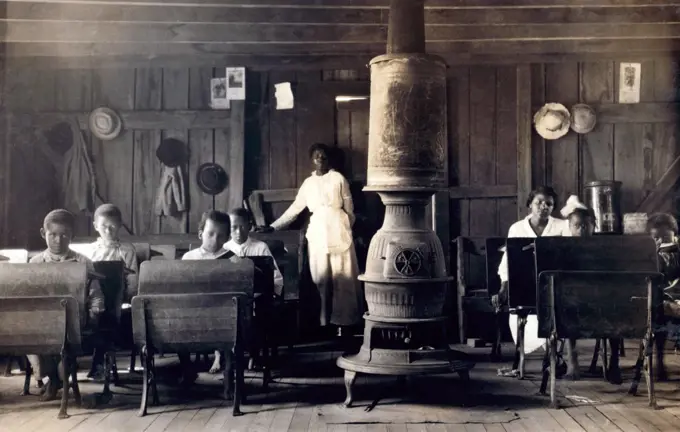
[105, 123]
[583, 118]
[552, 121]
[211, 178]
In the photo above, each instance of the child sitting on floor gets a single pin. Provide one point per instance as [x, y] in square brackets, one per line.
[57, 231]
[242, 245]
[213, 231]
[663, 228]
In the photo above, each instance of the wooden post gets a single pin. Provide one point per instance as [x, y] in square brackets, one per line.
[523, 138]
[406, 28]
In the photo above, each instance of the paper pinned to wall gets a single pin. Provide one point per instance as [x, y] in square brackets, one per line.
[284, 96]
[236, 83]
[629, 82]
[218, 93]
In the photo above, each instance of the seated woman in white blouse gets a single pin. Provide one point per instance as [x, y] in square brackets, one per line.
[539, 223]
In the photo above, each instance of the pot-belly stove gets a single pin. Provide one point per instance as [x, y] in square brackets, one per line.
[406, 280]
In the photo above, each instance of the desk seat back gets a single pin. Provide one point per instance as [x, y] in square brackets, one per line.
[38, 324]
[594, 304]
[521, 273]
[46, 279]
[196, 276]
[599, 285]
[192, 322]
[599, 252]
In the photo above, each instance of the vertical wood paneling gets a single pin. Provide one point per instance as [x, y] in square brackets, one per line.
[631, 142]
[115, 88]
[74, 93]
[257, 145]
[506, 144]
[147, 168]
[538, 144]
[176, 96]
[200, 145]
[562, 154]
[483, 125]
[237, 153]
[597, 146]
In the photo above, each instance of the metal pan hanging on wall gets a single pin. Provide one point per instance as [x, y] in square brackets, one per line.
[211, 178]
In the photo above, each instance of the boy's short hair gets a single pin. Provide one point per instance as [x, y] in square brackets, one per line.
[662, 221]
[108, 211]
[60, 217]
[217, 217]
[240, 212]
[585, 214]
[542, 190]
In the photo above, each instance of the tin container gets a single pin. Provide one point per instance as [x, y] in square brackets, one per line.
[604, 197]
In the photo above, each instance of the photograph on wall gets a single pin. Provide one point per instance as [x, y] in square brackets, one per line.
[218, 93]
[629, 82]
[236, 83]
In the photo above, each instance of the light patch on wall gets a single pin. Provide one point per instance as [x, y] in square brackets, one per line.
[349, 98]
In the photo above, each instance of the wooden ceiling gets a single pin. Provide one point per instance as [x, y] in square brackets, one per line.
[275, 33]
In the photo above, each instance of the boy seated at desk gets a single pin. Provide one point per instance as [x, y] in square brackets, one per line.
[107, 221]
[57, 231]
[242, 245]
[663, 228]
[213, 231]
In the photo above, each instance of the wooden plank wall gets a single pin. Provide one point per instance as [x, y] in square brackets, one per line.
[633, 152]
[328, 33]
[127, 170]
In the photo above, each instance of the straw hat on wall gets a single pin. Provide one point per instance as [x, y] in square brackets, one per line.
[105, 123]
[552, 121]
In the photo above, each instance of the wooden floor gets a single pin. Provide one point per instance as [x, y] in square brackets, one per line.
[308, 390]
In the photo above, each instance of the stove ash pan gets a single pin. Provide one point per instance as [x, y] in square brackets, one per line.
[406, 278]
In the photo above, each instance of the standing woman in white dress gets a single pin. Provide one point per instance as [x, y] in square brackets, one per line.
[332, 258]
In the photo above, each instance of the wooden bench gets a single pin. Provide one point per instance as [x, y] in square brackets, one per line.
[597, 287]
[477, 260]
[43, 311]
[192, 322]
[14, 256]
[197, 278]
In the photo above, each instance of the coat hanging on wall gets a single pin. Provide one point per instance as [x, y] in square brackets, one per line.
[171, 194]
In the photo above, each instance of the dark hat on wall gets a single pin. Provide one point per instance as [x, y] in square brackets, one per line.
[211, 178]
[583, 118]
[59, 137]
[172, 152]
